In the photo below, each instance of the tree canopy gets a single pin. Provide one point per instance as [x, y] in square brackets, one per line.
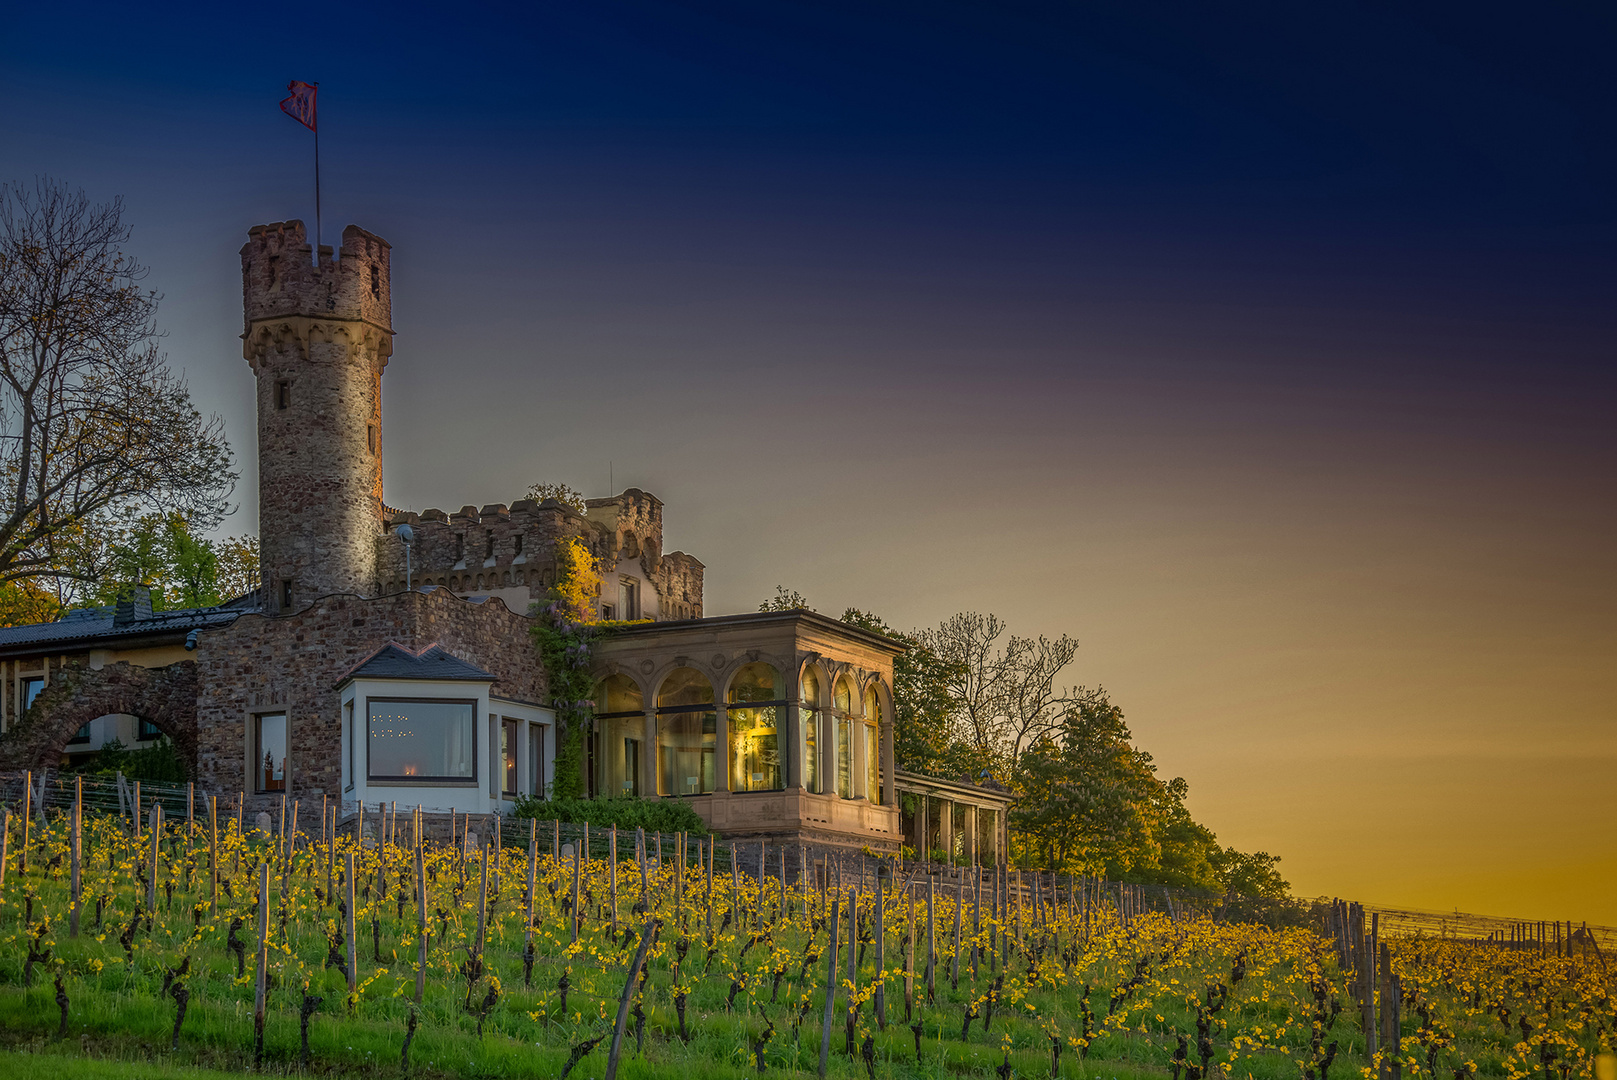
[968, 697]
[96, 431]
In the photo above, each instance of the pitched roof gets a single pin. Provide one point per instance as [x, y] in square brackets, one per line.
[394, 661]
[86, 627]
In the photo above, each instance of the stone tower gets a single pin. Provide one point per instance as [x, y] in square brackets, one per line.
[317, 337]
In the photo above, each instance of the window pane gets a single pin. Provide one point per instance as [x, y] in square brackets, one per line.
[872, 763]
[685, 744]
[844, 757]
[618, 774]
[618, 693]
[30, 690]
[271, 752]
[508, 754]
[757, 682]
[809, 722]
[755, 749]
[427, 739]
[685, 686]
[844, 696]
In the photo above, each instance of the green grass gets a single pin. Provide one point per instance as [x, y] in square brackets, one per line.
[119, 1024]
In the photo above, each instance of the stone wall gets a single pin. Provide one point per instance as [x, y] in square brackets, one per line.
[318, 338]
[503, 547]
[165, 696]
[293, 663]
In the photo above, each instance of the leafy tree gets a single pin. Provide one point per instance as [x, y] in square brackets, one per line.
[1252, 874]
[237, 566]
[1006, 696]
[23, 603]
[1186, 849]
[922, 705]
[1088, 799]
[92, 420]
[561, 492]
[785, 600]
[163, 554]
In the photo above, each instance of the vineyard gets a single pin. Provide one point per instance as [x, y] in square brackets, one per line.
[172, 933]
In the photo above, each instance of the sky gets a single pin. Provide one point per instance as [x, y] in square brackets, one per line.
[1265, 349]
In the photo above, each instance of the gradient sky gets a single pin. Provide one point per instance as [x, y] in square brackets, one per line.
[1268, 352]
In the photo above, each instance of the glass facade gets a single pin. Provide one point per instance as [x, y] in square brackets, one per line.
[757, 708]
[842, 704]
[808, 721]
[620, 723]
[687, 734]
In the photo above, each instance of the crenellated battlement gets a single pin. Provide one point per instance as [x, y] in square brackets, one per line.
[512, 547]
[280, 280]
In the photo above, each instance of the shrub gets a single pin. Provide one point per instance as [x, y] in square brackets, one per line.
[653, 815]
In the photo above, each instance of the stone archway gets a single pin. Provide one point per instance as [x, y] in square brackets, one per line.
[166, 697]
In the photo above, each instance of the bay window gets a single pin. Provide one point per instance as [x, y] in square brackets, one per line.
[421, 740]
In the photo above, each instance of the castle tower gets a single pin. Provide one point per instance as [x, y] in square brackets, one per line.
[317, 337]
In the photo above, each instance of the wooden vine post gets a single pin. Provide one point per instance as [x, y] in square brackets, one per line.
[881, 950]
[261, 962]
[348, 928]
[151, 876]
[78, 853]
[213, 855]
[830, 989]
[421, 914]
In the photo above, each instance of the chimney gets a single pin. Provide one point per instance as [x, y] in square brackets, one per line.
[137, 607]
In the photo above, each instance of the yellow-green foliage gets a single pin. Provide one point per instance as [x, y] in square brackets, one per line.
[578, 579]
[742, 957]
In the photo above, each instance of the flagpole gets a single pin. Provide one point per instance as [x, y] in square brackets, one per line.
[317, 186]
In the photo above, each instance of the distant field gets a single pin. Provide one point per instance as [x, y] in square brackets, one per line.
[1153, 997]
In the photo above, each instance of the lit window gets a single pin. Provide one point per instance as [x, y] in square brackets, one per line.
[620, 719]
[809, 721]
[842, 703]
[687, 734]
[508, 755]
[421, 740]
[871, 730]
[757, 701]
[269, 742]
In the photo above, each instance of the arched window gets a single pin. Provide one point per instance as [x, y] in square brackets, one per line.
[871, 730]
[842, 705]
[757, 711]
[809, 724]
[620, 726]
[687, 730]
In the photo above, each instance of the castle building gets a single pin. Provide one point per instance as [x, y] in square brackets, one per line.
[388, 656]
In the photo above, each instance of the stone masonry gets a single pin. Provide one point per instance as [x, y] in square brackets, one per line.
[317, 338]
[293, 663]
[503, 547]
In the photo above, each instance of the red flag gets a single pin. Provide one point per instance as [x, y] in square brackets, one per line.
[299, 104]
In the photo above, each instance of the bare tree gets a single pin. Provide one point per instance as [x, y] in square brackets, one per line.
[93, 424]
[1006, 696]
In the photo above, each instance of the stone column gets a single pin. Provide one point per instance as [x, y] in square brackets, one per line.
[889, 794]
[857, 755]
[721, 749]
[792, 742]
